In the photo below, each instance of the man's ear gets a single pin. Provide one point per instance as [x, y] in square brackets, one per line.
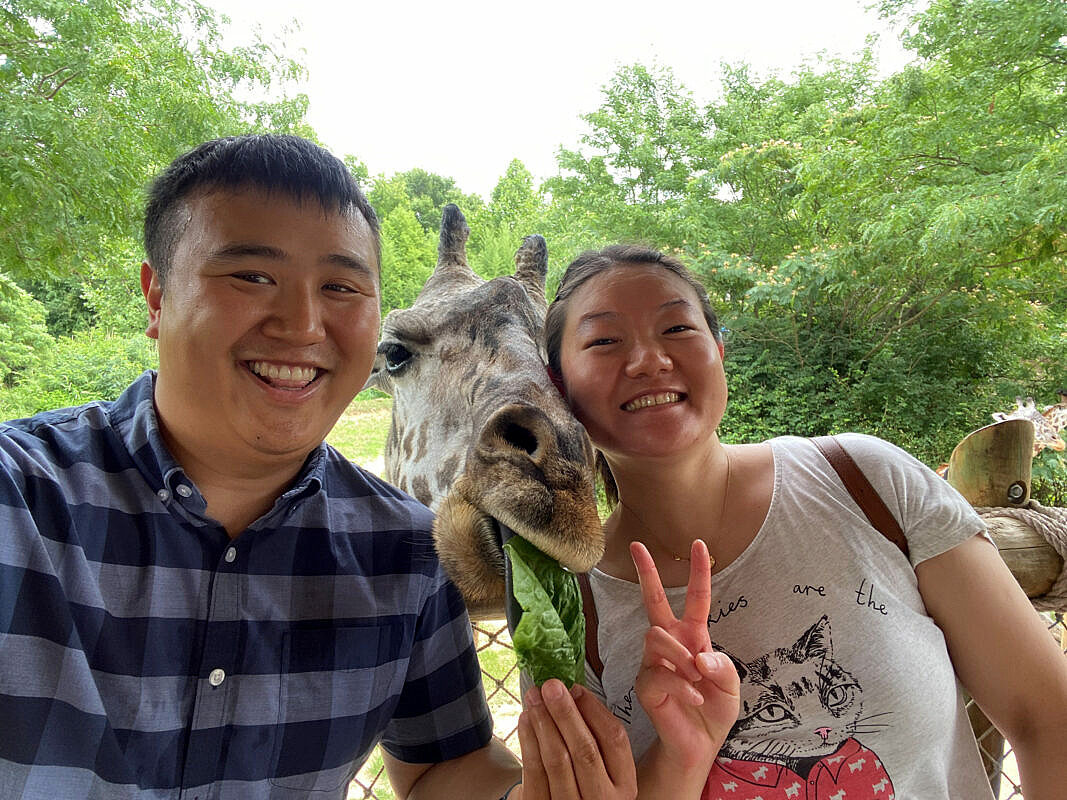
[153, 295]
[557, 381]
[722, 351]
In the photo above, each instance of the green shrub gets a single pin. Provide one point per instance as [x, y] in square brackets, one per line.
[23, 332]
[91, 365]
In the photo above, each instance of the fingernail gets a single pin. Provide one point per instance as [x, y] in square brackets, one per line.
[552, 690]
[711, 661]
[577, 690]
[533, 697]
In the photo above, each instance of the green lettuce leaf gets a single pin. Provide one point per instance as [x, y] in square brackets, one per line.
[549, 639]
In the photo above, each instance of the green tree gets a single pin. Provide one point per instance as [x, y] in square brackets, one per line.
[515, 202]
[645, 144]
[418, 197]
[98, 96]
[408, 256]
[889, 256]
[425, 193]
[23, 335]
[927, 275]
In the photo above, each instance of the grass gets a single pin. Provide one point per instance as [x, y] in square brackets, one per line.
[361, 431]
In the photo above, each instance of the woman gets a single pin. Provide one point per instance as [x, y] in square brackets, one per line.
[844, 647]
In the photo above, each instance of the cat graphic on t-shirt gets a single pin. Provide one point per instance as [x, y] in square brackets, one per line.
[795, 735]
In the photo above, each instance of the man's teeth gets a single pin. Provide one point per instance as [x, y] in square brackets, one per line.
[652, 400]
[281, 372]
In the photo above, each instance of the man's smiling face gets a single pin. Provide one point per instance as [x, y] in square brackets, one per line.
[267, 325]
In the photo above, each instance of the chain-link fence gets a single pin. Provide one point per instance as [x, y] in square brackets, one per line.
[501, 678]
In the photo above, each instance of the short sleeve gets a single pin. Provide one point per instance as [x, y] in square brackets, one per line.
[933, 515]
[442, 711]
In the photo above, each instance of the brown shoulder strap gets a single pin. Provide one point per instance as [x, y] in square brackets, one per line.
[861, 490]
[592, 649]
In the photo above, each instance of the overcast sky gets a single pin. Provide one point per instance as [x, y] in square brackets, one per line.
[461, 88]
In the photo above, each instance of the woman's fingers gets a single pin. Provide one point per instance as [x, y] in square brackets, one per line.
[658, 684]
[718, 669]
[698, 593]
[582, 748]
[655, 599]
[662, 649]
[612, 740]
[534, 778]
[552, 750]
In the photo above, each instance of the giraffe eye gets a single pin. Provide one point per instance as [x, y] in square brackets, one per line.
[396, 355]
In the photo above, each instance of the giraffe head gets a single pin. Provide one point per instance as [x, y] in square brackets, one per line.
[478, 431]
[1046, 432]
[1056, 415]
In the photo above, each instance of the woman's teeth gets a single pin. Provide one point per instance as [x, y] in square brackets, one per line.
[652, 400]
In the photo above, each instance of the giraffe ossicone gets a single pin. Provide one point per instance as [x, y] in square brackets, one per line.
[478, 432]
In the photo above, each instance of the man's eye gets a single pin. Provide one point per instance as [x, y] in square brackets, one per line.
[339, 287]
[600, 342]
[678, 328]
[252, 277]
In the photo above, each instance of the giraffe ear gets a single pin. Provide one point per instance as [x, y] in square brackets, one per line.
[557, 381]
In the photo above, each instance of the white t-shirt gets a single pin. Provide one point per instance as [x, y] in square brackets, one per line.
[846, 681]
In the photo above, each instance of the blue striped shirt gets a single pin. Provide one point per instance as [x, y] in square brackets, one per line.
[145, 654]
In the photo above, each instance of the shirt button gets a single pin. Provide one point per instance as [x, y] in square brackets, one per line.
[231, 554]
[184, 490]
[216, 677]
[163, 495]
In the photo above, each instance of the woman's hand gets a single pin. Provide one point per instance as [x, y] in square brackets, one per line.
[573, 748]
[690, 692]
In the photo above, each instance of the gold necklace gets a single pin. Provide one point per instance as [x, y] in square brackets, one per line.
[718, 524]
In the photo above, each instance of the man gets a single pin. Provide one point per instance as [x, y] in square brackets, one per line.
[198, 597]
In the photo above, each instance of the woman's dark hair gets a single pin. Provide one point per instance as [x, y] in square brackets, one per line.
[289, 165]
[595, 262]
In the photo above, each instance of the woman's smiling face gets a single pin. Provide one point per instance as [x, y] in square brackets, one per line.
[641, 368]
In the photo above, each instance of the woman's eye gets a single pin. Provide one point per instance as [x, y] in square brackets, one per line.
[396, 355]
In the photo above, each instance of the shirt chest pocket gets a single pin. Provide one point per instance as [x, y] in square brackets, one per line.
[337, 690]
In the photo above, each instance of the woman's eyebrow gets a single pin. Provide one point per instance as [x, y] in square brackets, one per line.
[594, 316]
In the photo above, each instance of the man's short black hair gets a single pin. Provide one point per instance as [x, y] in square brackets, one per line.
[289, 165]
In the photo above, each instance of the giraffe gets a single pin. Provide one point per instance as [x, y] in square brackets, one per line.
[478, 432]
[1056, 415]
[1046, 428]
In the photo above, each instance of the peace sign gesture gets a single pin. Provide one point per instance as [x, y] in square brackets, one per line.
[690, 692]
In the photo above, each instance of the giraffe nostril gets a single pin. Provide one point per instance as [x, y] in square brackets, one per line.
[520, 437]
[516, 431]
